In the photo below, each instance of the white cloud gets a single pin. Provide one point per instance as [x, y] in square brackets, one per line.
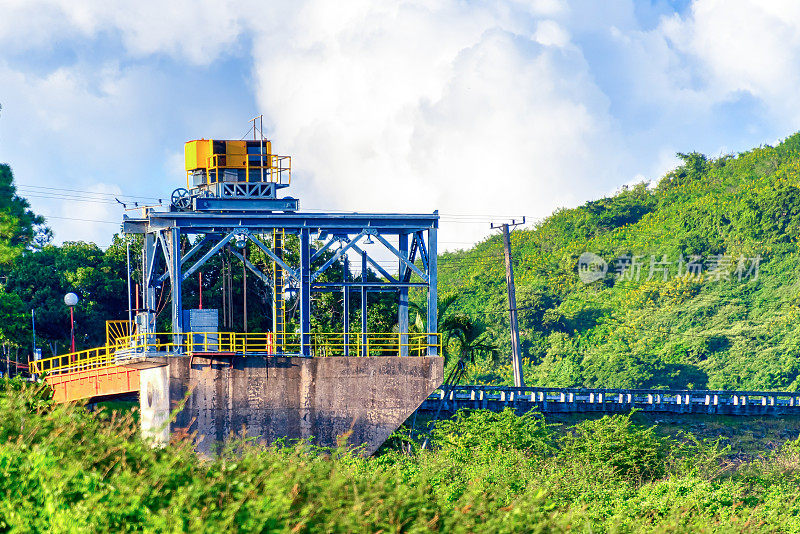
[413, 109]
[197, 30]
[744, 45]
[503, 108]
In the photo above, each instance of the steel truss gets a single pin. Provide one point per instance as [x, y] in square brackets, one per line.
[416, 241]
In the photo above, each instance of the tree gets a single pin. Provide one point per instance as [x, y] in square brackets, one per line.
[18, 224]
[460, 336]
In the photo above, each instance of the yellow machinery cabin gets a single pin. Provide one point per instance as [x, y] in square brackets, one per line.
[210, 161]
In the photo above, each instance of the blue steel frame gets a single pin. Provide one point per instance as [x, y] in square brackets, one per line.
[416, 237]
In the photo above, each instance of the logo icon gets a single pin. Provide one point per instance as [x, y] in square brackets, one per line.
[591, 267]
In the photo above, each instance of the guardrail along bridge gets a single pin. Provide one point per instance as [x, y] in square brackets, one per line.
[569, 400]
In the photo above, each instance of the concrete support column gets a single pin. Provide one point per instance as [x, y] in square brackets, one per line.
[154, 404]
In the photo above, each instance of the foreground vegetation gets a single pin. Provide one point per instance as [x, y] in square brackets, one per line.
[63, 468]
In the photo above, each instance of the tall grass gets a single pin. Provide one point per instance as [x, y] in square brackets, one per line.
[65, 469]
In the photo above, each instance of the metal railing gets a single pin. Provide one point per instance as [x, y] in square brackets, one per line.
[276, 169]
[599, 399]
[117, 329]
[321, 344]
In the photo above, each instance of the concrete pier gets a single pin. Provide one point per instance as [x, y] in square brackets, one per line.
[366, 398]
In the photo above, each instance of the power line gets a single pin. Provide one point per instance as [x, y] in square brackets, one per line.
[78, 219]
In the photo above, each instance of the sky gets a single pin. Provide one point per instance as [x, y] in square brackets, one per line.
[486, 111]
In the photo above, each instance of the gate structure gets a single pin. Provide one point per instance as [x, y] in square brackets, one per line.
[269, 383]
[232, 198]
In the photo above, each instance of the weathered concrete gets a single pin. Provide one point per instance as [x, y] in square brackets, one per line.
[299, 398]
[154, 403]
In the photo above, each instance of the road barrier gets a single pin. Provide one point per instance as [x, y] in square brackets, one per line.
[569, 400]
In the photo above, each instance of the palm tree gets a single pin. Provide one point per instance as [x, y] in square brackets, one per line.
[460, 335]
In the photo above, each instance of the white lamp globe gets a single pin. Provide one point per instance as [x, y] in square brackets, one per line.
[70, 299]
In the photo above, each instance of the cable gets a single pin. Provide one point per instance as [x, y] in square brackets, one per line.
[77, 219]
[85, 191]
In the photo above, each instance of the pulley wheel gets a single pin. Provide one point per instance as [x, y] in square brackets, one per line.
[181, 199]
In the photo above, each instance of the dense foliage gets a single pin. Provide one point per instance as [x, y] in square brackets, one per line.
[63, 468]
[701, 289]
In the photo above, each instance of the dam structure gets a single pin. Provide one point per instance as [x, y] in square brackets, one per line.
[198, 379]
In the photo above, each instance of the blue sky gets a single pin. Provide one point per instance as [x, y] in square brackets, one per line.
[480, 110]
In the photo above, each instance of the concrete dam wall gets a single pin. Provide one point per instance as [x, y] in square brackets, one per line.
[287, 397]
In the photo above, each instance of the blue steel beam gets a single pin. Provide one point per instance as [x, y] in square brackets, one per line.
[305, 292]
[337, 223]
[338, 255]
[402, 306]
[375, 264]
[255, 270]
[401, 257]
[433, 299]
[207, 239]
[221, 243]
[291, 272]
[317, 254]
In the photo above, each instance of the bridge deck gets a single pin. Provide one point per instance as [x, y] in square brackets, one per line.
[90, 383]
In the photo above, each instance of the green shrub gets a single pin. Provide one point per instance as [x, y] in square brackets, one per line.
[615, 442]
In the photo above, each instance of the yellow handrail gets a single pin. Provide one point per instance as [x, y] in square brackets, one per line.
[237, 343]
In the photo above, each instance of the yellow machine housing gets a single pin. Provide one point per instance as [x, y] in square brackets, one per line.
[210, 154]
[210, 161]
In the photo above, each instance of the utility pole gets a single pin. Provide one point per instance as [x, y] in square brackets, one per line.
[516, 357]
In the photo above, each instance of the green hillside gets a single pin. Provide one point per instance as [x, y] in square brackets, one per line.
[732, 322]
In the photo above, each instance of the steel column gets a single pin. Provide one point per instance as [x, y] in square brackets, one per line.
[402, 307]
[176, 280]
[346, 305]
[305, 292]
[363, 303]
[433, 302]
[149, 251]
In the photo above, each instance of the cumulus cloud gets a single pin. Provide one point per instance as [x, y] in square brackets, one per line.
[412, 108]
[507, 108]
[744, 45]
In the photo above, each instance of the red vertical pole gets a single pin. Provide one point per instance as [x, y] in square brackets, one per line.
[200, 275]
[72, 329]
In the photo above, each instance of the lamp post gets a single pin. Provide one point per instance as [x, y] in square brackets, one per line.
[71, 299]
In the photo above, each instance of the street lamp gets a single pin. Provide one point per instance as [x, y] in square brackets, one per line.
[71, 299]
